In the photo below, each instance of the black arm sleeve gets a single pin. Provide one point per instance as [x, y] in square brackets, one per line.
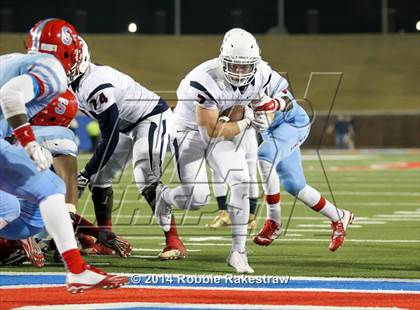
[108, 123]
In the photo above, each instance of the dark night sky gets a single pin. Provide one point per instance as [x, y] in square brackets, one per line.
[215, 16]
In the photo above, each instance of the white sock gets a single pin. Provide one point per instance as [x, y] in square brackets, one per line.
[57, 222]
[238, 209]
[313, 199]
[271, 187]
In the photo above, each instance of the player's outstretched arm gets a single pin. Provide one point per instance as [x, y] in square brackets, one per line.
[108, 124]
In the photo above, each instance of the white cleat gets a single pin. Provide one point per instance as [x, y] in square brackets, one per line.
[93, 277]
[163, 210]
[239, 261]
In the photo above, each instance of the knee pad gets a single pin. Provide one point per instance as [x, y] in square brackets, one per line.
[293, 186]
[237, 178]
[195, 197]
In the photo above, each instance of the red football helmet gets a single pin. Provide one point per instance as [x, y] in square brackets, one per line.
[59, 112]
[59, 38]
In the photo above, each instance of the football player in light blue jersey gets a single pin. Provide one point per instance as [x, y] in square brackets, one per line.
[27, 84]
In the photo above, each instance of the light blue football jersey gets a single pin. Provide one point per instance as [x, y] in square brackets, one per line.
[47, 73]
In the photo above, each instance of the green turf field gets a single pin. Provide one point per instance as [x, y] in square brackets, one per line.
[384, 240]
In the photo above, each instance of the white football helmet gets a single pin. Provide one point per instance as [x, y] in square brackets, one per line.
[84, 64]
[239, 56]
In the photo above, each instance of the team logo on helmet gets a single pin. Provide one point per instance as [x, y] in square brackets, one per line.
[66, 35]
[61, 106]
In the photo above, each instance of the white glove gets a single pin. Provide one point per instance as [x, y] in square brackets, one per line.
[248, 119]
[40, 155]
[262, 121]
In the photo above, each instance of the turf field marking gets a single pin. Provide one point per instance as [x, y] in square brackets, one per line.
[156, 250]
[365, 185]
[377, 193]
[286, 239]
[407, 212]
[169, 306]
[288, 203]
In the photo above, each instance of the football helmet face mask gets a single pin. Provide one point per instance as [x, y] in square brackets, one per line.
[59, 38]
[59, 112]
[239, 56]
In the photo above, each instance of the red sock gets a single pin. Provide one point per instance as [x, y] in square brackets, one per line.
[74, 261]
[83, 226]
[172, 233]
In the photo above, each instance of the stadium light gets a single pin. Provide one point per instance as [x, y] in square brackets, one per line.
[132, 27]
[418, 26]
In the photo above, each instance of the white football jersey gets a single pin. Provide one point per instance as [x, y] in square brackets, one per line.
[206, 86]
[102, 86]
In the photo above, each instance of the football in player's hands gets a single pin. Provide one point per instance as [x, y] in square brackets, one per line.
[235, 113]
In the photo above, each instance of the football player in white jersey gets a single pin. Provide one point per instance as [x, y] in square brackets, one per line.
[27, 84]
[239, 76]
[199, 135]
[134, 124]
[248, 141]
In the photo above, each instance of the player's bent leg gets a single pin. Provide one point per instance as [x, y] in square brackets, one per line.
[340, 219]
[293, 181]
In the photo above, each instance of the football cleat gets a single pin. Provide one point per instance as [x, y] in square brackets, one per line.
[221, 219]
[174, 249]
[252, 222]
[239, 261]
[270, 231]
[33, 252]
[91, 278]
[163, 210]
[339, 230]
[121, 246]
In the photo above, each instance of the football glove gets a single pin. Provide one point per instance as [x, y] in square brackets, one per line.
[82, 182]
[262, 121]
[39, 155]
[248, 118]
[268, 104]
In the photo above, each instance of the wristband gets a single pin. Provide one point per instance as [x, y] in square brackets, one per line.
[24, 134]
